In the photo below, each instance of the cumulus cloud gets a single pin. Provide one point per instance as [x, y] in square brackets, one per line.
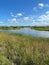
[16, 15]
[42, 20]
[13, 20]
[41, 5]
[47, 12]
[40, 23]
[19, 14]
[26, 18]
[44, 17]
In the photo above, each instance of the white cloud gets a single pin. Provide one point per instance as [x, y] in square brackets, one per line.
[40, 23]
[19, 14]
[42, 20]
[41, 5]
[13, 20]
[16, 15]
[26, 18]
[44, 17]
[47, 12]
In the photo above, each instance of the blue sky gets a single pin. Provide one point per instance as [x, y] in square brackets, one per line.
[24, 12]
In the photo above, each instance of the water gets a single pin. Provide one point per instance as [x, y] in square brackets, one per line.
[29, 31]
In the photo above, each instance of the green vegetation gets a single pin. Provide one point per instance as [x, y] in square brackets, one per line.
[41, 28]
[9, 27]
[12, 27]
[17, 49]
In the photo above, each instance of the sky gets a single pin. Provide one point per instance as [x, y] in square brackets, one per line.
[24, 12]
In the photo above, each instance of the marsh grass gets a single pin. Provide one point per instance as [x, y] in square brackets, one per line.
[17, 49]
[41, 28]
[11, 27]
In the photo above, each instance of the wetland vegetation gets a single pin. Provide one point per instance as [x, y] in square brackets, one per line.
[41, 28]
[18, 49]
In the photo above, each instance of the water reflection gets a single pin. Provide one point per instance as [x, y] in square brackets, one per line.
[29, 31]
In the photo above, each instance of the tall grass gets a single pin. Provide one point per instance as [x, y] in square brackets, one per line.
[41, 28]
[46, 28]
[17, 49]
[11, 27]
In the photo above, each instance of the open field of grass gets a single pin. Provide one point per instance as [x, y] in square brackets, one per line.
[41, 28]
[17, 49]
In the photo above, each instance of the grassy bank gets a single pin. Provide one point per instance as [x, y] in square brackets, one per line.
[9, 27]
[17, 49]
[12, 27]
[41, 28]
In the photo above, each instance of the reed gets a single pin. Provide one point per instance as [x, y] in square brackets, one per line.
[17, 49]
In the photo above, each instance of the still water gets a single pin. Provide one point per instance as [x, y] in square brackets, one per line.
[29, 31]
